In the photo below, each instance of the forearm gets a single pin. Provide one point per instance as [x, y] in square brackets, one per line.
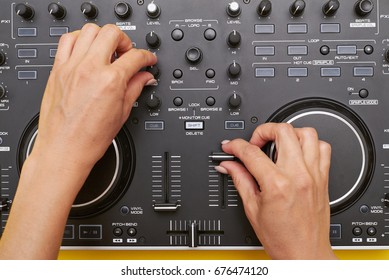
[45, 194]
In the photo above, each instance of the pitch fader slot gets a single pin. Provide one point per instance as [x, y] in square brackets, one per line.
[5, 202]
[167, 189]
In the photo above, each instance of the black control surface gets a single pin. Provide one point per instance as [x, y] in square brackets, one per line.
[224, 67]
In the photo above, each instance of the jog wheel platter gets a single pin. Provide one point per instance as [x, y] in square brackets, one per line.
[108, 180]
[352, 159]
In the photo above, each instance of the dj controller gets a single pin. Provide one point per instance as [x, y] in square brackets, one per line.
[224, 67]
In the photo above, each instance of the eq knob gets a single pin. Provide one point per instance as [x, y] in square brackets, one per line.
[331, 7]
[234, 39]
[234, 70]
[264, 8]
[153, 40]
[233, 9]
[2, 91]
[386, 200]
[57, 11]
[25, 11]
[2, 58]
[363, 7]
[153, 102]
[153, 10]
[234, 101]
[194, 55]
[297, 8]
[89, 10]
[123, 10]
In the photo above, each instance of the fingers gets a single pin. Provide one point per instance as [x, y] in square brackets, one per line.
[309, 142]
[325, 158]
[85, 39]
[65, 48]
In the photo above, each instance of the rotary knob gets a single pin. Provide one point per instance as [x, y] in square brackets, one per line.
[194, 55]
[153, 102]
[264, 8]
[233, 9]
[234, 70]
[363, 7]
[25, 11]
[89, 10]
[153, 10]
[153, 40]
[123, 10]
[2, 58]
[386, 200]
[234, 101]
[57, 11]
[2, 91]
[331, 7]
[234, 39]
[297, 8]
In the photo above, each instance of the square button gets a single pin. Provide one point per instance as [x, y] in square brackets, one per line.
[330, 28]
[264, 72]
[297, 72]
[335, 231]
[297, 28]
[27, 32]
[90, 231]
[27, 53]
[297, 50]
[330, 72]
[58, 31]
[363, 71]
[264, 29]
[264, 50]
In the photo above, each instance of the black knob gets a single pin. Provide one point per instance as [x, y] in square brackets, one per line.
[2, 91]
[57, 11]
[153, 40]
[297, 8]
[153, 10]
[331, 7]
[386, 200]
[264, 8]
[25, 11]
[89, 10]
[2, 58]
[154, 70]
[193, 55]
[234, 70]
[234, 39]
[363, 7]
[233, 9]
[153, 102]
[123, 10]
[234, 101]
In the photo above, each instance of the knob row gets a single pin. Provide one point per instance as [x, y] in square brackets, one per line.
[123, 10]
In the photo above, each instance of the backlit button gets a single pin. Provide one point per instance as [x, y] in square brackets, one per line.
[27, 53]
[324, 50]
[330, 28]
[297, 28]
[27, 32]
[264, 50]
[335, 231]
[264, 29]
[363, 93]
[58, 31]
[330, 72]
[346, 50]
[191, 125]
[231, 125]
[368, 49]
[297, 50]
[154, 125]
[363, 71]
[69, 232]
[53, 52]
[297, 72]
[264, 72]
[90, 231]
[27, 75]
[364, 209]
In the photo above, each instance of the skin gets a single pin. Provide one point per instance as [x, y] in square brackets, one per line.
[87, 100]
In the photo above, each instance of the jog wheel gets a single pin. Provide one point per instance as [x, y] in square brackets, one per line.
[108, 180]
[353, 156]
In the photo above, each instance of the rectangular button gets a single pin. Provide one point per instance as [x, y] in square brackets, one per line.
[264, 50]
[264, 29]
[27, 32]
[27, 53]
[53, 53]
[330, 72]
[233, 125]
[344, 50]
[90, 231]
[69, 232]
[58, 31]
[297, 50]
[297, 72]
[363, 71]
[154, 125]
[330, 28]
[189, 125]
[264, 72]
[335, 231]
[297, 28]
[27, 75]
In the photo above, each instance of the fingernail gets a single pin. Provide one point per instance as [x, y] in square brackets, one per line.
[221, 169]
[151, 82]
[225, 141]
